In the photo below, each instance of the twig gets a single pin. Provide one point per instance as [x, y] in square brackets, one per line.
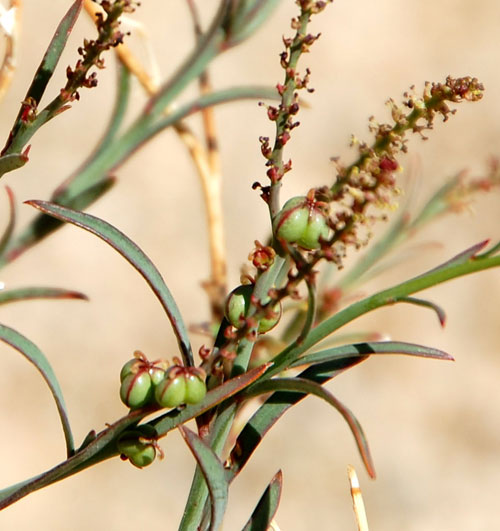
[216, 286]
[207, 164]
[10, 21]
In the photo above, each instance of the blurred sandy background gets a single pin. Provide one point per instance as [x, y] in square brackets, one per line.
[434, 427]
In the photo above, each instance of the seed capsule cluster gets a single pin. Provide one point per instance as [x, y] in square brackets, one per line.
[145, 382]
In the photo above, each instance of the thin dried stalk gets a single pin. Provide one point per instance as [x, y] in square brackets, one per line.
[357, 500]
[11, 27]
[207, 164]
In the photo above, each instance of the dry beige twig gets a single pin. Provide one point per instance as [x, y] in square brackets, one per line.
[10, 22]
[357, 499]
[207, 165]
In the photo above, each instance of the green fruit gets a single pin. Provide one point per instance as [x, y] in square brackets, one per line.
[302, 222]
[136, 389]
[291, 221]
[316, 228]
[139, 452]
[157, 372]
[238, 304]
[171, 392]
[143, 458]
[130, 367]
[196, 389]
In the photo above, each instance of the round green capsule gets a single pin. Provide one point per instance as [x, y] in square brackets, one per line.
[144, 457]
[171, 392]
[317, 229]
[291, 222]
[301, 222]
[196, 389]
[238, 304]
[136, 390]
[157, 372]
[131, 367]
[135, 446]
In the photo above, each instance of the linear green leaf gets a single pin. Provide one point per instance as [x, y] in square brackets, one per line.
[369, 348]
[22, 294]
[53, 53]
[305, 386]
[36, 356]
[12, 161]
[263, 514]
[214, 474]
[43, 225]
[441, 314]
[135, 256]
[9, 229]
[275, 406]
[89, 454]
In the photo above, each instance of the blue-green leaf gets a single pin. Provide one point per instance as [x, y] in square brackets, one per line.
[305, 387]
[369, 348]
[214, 474]
[9, 229]
[275, 406]
[12, 161]
[36, 356]
[21, 294]
[135, 256]
[263, 514]
[53, 53]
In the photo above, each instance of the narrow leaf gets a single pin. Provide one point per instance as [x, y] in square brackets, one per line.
[214, 474]
[53, 53]
[491, 252]
[9, 229]
[441, 315]
[210, 100]
[35, 355]
[12, 162]
[88, 454]
[460, 258]
[304, 386]
[275, 406]
[44, 225]
[263, 514]
[370, 348]
[135, 256]
[21, 294]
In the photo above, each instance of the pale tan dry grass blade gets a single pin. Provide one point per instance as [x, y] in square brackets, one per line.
[10, 22]
[357, 499]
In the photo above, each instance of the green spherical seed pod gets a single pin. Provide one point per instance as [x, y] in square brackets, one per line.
[136, 390]
[171, 392]
[292, 220]
[196, 389]
[129, 368]
[266, 324]
[317, 228]
[128, 443]
[237, 305]
[157, 375]
[144, 457]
